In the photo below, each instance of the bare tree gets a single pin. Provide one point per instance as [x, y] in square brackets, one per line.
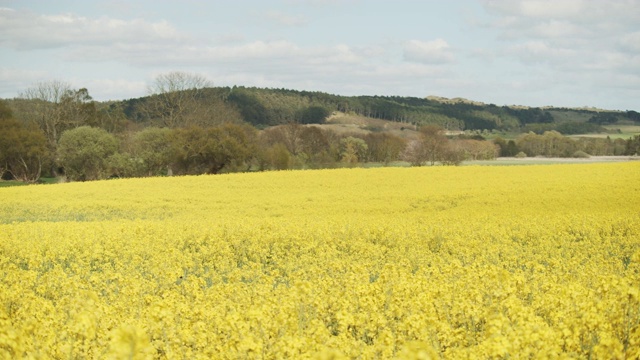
[177, 99]
[55, 107]
[430, 147]
[45, 110]
[434, 142]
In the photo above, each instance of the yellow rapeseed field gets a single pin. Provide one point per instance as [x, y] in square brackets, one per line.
[407, 263]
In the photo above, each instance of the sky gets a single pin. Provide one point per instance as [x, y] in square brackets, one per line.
[564, 53]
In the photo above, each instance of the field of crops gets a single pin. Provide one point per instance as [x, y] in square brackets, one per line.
[539, 261]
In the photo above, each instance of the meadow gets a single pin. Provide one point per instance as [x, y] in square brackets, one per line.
[539, 261]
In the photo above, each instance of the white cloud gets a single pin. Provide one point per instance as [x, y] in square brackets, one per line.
[551, 8]
[284, 19]
[14, 78]
[24, 30]
[556, 29]
[576, 36]
[579, 11]
[112, 89]
[429, 52]
[522, 18]
[540, 51]
[631, 42]
[256, 53]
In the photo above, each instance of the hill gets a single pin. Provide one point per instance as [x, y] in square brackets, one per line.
[263, 107]
[222, 129]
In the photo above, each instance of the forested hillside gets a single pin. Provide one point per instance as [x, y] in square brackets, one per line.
[187, 126]
[267, 107]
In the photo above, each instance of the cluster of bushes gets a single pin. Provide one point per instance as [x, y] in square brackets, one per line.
[83, 152]
[554, 144]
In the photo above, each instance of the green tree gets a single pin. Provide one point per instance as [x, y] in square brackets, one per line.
[154, 149]
[315, 144]
[556, 145]
[502, 145]
[633, 146]
[278, 157]
[512, 149]
[23, 149]
[78, 108]
[353, 150]
[384, 147]
[313, 115]
[252, 110]
[123, 164]
[228, 147]
[288, 134]
[531, 144]
[5, 111]
[84, 152]
[112, 118]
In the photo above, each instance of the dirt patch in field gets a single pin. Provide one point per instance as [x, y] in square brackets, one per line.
[345, 124]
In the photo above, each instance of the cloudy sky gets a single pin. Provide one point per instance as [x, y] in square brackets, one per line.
[569, 53]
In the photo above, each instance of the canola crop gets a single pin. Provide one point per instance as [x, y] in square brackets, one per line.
[389, 263]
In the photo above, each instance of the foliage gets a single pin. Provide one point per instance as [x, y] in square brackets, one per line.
[174, 99]
[155, 149]
[477, 149]
[252, 110]
[384, 147]
[353, 263]
[55, 107]
[180, 101]
[269, 107]
[352, 150]
[550, 144]
[604, 118]
[210, 150]
[277, 157]
[429, 148]
[318, 146]
[455, 152]
[23, 149]
[506, 148]
[633, 146]
[313, 115]
[84, 153]
[569, 128]
[633, 115]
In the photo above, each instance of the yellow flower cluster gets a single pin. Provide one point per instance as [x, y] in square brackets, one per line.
[406, 263]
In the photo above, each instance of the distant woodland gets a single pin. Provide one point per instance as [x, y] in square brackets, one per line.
[187, 126]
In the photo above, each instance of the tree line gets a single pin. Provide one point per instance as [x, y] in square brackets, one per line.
[186, 126]
[554, 144]
[86, 153]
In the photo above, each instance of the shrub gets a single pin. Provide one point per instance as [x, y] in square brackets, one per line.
[83, 152]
